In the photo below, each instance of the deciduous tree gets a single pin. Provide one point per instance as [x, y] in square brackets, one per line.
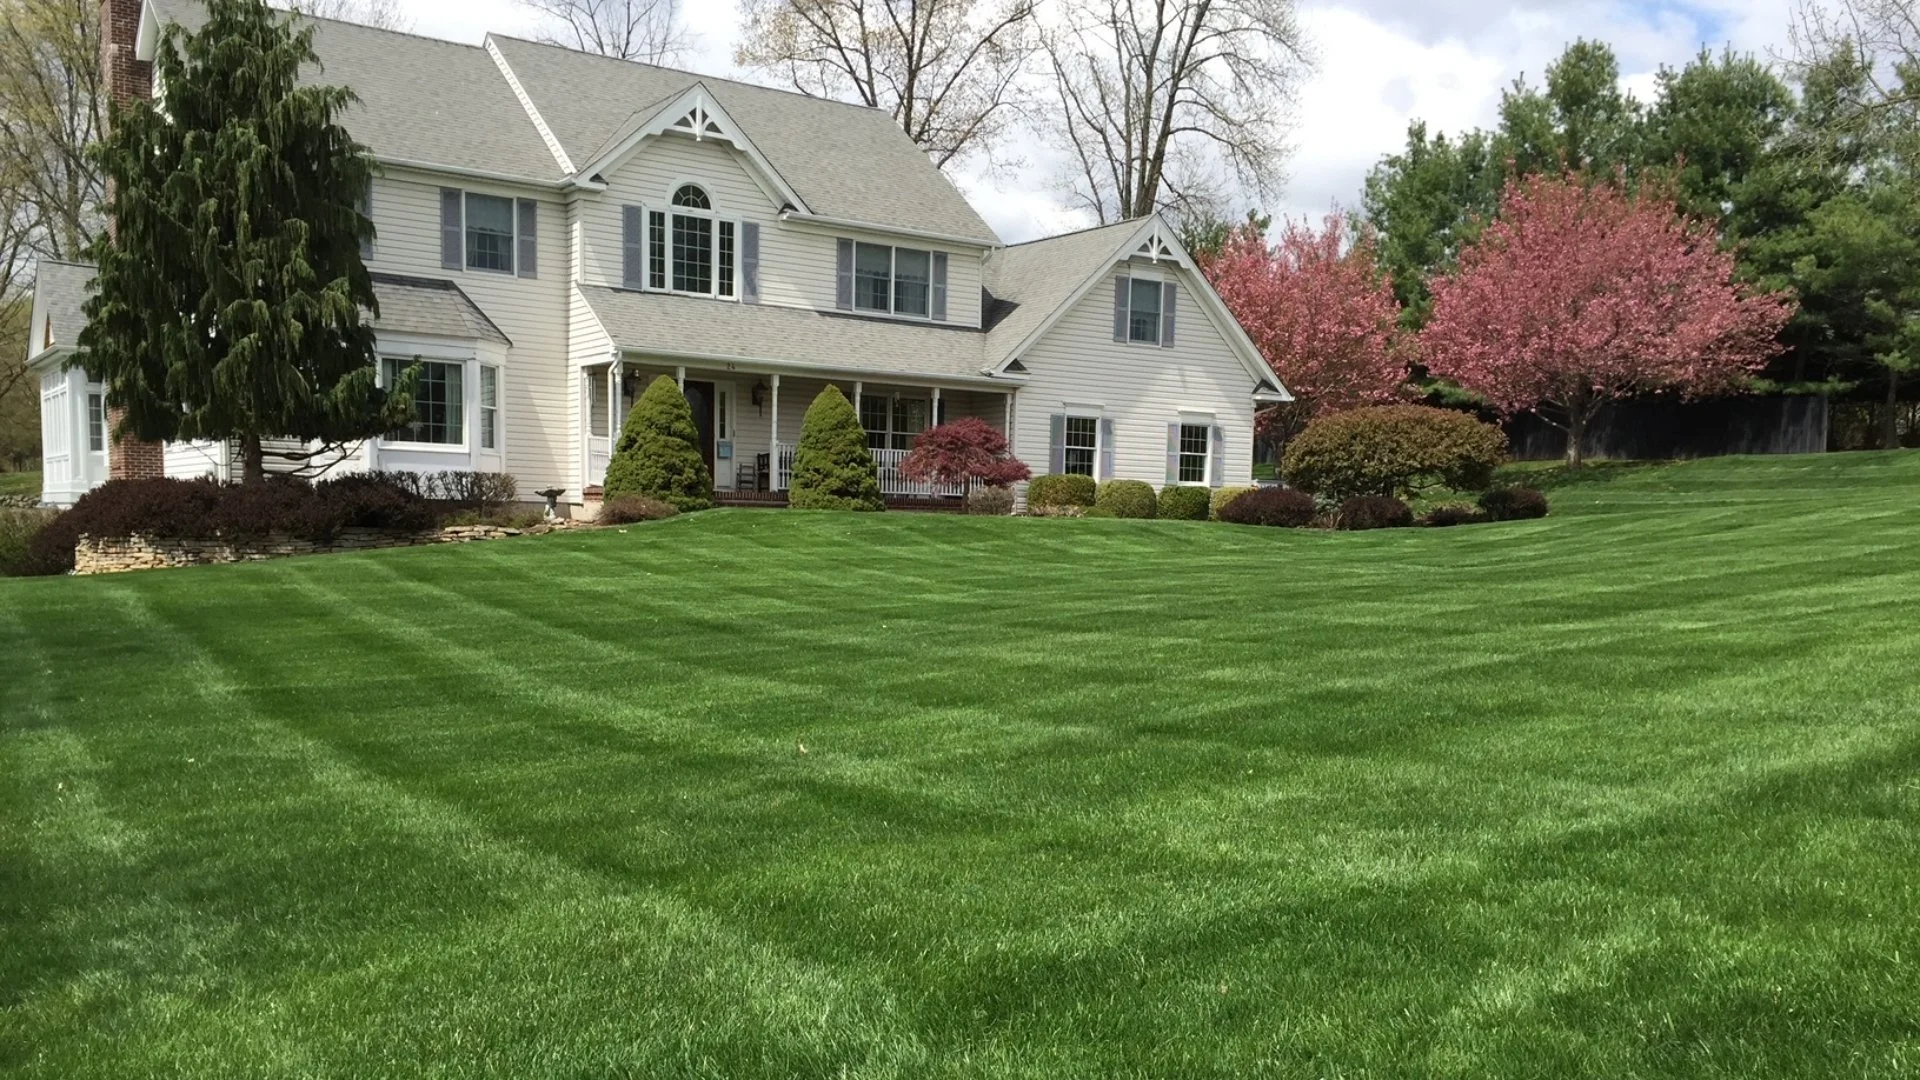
[648, 31]
[949, 71]
[231, 296]
[1158, 102]
[1320, 311]
[1580, 293]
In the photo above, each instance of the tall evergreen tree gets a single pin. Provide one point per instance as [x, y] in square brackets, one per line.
[658, 455]
[232, 298]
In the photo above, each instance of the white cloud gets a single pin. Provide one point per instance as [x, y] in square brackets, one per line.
[1381, 64]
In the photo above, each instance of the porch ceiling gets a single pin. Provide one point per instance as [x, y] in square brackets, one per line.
[685, 328]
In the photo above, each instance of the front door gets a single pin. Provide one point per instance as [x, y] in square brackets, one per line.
[700, 397]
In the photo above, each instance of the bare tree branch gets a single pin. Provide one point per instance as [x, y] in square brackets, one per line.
[380, 14]
[648, 31]
[951, 72]
[1159, 101]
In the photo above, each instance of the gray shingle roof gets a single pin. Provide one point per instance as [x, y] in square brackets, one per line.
[411, 304]
[846, 161]
[719, 329]
[1041, 275]
[431, 306]
[63, 288]
[421, 99]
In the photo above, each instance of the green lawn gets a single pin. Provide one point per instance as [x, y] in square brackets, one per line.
[1630, 791]
[19, 483]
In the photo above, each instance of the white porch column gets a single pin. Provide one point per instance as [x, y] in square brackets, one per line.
[774, 458]
[858, 389]
[933, 410]
[615, 372]
[680, 376]
[1007, 430]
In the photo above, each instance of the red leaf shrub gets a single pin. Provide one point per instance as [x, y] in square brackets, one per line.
[1283, 507]
[1373, 512]
[960, 452]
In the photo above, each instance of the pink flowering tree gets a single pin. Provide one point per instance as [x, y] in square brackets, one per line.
[960, 452]
[1321, 312]
[1580, 293]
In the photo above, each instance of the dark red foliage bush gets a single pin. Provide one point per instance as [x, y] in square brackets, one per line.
[960, 451]
[1443, 516]
[1284, 507]
[1514, 503]
[376, 501]
[1373, 512]
[276, 505]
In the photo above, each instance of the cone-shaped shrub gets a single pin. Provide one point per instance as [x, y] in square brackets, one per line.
[658, 456]
[832, 469]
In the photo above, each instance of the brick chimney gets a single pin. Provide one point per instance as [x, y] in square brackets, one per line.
[126, 77]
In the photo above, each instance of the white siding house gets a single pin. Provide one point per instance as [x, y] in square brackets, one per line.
[556, 229]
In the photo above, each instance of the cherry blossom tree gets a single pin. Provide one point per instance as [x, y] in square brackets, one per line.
[1580, 293]
[960, 452]
[1320, 311]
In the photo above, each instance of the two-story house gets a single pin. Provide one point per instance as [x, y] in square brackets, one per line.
[555, 229]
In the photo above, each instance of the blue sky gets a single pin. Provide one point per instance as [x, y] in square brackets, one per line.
[1380, 64]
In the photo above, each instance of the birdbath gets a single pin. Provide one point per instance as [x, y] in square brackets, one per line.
[552, 495]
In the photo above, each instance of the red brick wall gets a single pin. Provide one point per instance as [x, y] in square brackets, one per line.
[126, 78]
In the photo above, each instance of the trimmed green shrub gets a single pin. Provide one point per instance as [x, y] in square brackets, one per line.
[1125, 499]
[1061, 489]
[832, 467]
[1513, 504]
[1441, 517]
[658, 455]
[1278, 506]
[990, 500]
[1185, 503]
[1225, 495]
[1393, 450]
[1372, 512]
[631, 509]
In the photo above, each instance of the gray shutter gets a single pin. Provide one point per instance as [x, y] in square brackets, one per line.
[366, 211]
[1173, 453]
[1120, 308]
[749, 262]
[1057, 443]
[1217, 461]
[1169, 299]
[527, 239]
[939, 301]
[843, 290]
[1106, 448]
[453, 254]
[632, 270]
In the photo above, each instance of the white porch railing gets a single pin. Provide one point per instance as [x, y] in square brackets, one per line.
[888, 469]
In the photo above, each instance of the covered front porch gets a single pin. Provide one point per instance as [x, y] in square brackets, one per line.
[749, 420]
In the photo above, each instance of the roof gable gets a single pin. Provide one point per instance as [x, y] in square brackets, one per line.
[691, 114]
[845, 161]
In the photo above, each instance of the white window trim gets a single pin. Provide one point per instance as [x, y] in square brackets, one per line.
[513, 241]
[1207, 425]
[893, 282]
[1159, 324]
[1095, 413]
[499, 412]
[406, 349]
[712, 214]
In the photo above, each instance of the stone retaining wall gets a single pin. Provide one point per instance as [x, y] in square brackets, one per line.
[112, 555]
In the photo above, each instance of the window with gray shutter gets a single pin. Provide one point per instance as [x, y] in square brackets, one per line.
[1169, 293]
[632, 253]
[843, 277]
[528, 238]
[1121, 301]
[749, 262]
[940, 286]
[453, 243]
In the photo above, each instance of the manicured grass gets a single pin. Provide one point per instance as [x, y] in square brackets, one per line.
[1633, 790]
[19, 483]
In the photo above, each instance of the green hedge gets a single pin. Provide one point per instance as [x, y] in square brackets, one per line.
[1393, 450]
[1061, 489]
[1125, 499]
[1185, 503]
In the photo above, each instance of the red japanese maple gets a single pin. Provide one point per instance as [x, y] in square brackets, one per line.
[962, 451]
[1580, 293]
[1320, 311]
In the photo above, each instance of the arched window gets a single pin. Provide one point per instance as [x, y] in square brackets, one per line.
[702, 246]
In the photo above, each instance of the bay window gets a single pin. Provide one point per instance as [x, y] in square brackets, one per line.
[97, 423]
[439, 404]
[489, 407]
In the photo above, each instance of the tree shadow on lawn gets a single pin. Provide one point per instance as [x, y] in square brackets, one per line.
[1556, 476]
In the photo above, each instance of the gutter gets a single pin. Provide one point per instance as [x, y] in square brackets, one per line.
[797, 217]
[762, 366]
[567, 183]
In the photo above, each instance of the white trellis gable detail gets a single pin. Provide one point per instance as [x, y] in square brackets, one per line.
[1158, 245]
[693, 112]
